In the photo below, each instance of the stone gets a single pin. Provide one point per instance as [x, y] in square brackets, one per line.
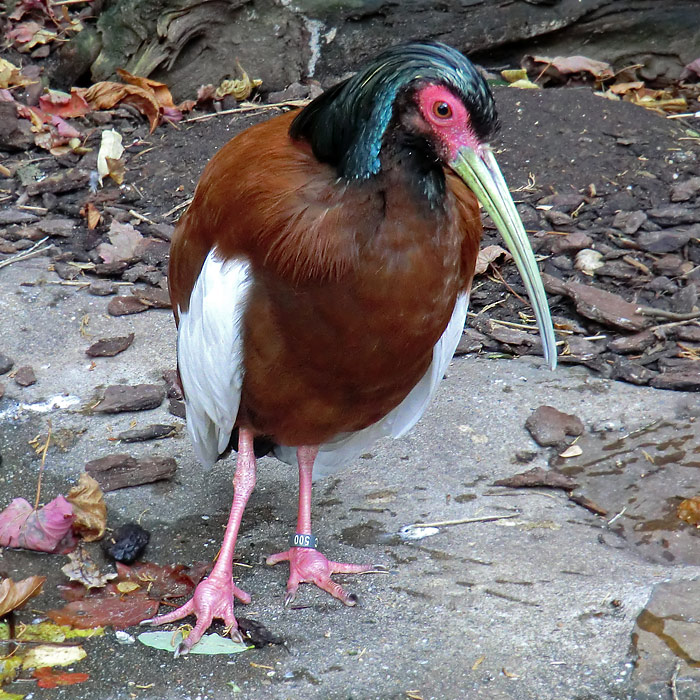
[6, 363]
[664, 241]
[571, 243]
[629, 221]
[119, 398]
[102, 288]
[109, 347]
[549, 426]
[25, 376]
[673, 215]
[125, 305]
[685, 190]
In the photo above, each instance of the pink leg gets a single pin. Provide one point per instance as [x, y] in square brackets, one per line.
[213, 597]
[309, 565]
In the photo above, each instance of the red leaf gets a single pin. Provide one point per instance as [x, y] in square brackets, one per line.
[161, 582]
[64, 105]
[48, 678]
[106, 609]
[45, 530]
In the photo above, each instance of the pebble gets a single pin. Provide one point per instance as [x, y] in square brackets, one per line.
[549, 426]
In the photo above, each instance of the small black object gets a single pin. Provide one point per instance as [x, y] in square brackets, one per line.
[127, 543]
[256, 633]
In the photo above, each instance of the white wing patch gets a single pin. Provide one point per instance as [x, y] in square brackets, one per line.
[345, 447]
[210, 353]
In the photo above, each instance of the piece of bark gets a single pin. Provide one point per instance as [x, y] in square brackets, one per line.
[125, 306]
[629, 344]
[177, 408]
[109, 347]
[25, 376]
[122, 470]
[681, 378]
[119, 398]
[172, 382]
[605, 307]
[155, 297]
[548, 426]
[538, 477]
[156, 431]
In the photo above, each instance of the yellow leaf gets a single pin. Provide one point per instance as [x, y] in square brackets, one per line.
[50, 655]
[89, 508]
[14, 594]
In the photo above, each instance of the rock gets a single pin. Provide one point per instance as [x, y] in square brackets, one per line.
[64, 181]
[127, 543]
[154, 297]
[673, 215]
[636, 343]
[683, 191]
[153, 251]
[588, 261]
[605, 307]
[122, 397]
[157, 431]
[102, 288]
[558, 218]
[11, 215]
[114, 269]
[15, 132]
[125, 305]
[563, 202]
[574, 241]
[25, 376]
[122, 470]
[548, 426]
[61, 227]
[109, 347]
[172, 382]
[664, 241]
[6, 363]
[631, 372]
[177, 408]
[681, 378]
[629, 221]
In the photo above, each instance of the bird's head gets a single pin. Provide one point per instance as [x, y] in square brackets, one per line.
[429, 100]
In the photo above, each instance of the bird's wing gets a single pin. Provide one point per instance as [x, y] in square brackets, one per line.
[337, 452]
[210, 353]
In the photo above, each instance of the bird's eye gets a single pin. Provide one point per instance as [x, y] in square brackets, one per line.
[442, 110]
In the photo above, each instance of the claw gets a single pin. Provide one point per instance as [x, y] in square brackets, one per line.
[289, 598]
[182, 649]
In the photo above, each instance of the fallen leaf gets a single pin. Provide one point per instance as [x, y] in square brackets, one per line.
[488, 255]
[14, 594]
[240, 88]
[124, 241]
[49, 632]
[9, 668]
[161, 582]
[689, 510]
[51, 655]
[11, 76]
[110, 148]
[559, 66]
[93, 217]
[89, 508]
[106, 608]
[127, 587]
[572, 451]
[48, 529]
[107, 94]
[64, 105]
[48, 678]
[208, 644]
[692, 70]
[83, 569]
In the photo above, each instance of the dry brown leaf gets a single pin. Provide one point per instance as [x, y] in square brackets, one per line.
[689, 510]
[89, 508]
[116, 169]
[83, 569]
[624, 88]
[160, 91]
[14, 594]
[107, 94]
[487, 255]
[93, 217]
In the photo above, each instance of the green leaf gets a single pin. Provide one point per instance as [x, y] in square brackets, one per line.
[9, 696]
[9, 668]
[208, 644]
[49, 632]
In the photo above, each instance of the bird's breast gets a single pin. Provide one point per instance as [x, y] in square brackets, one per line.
[326, 356]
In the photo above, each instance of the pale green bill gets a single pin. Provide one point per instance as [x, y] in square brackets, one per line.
[484, 177]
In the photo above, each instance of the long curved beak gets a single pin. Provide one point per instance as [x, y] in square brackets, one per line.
[481, 173]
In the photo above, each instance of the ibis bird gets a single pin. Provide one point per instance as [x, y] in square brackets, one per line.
[320, 281]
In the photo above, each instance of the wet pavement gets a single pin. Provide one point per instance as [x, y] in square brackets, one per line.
[553, 602]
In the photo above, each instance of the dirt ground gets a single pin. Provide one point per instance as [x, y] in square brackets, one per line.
[549, 607]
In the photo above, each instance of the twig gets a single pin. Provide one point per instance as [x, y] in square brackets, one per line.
[182, 205]
[686, 114]
[141, 217]
[44, 450]
[248, 108]
[673, 324]
[497, 273]
[619, 515]
[463, 521]
[26, 254]
[674, 678]
[671, 315]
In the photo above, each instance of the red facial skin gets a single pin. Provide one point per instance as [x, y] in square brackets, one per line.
[448, 120]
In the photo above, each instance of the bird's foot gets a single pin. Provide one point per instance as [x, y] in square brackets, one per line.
[308, 565]
[213, 598]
